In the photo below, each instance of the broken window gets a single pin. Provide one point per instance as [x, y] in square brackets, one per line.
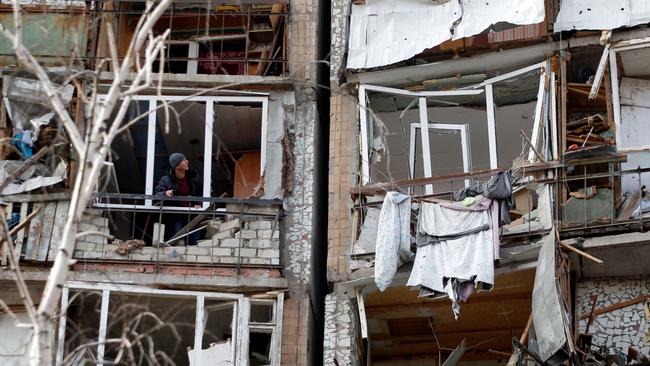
[630, 80]
[605, 121]
[247, 39]
[166, 326]
[262, 335]
[222, 137]
[82, 325]
[506, 107]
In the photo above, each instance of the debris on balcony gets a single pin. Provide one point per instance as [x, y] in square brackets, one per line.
[28, 108]
[124, 247]
[22, 176]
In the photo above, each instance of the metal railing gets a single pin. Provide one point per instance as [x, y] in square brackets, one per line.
[577, 202]
[201, 231]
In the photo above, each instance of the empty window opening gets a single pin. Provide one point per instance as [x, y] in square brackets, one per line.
[166, 326]
[247, 39]
[223, 138]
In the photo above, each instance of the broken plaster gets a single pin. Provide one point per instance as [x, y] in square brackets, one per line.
[299, 200]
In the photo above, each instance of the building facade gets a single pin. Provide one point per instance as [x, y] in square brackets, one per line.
[552, 92]
[221, 277]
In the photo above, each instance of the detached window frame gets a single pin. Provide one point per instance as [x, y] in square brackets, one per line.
[630, 45]
[210, 120]
[486, 87]
[466, 146]
[241, 326]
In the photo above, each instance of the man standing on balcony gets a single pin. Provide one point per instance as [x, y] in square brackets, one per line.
[181, 181]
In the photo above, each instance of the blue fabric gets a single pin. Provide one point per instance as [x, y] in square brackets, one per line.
[180, 223]
[22, 146]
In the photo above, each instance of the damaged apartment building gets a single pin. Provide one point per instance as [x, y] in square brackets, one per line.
[230, 285]
[488, 171]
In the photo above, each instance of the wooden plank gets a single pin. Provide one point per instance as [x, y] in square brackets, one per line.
[57, 230]
[277, 340]
[538, 123]
[617, 306]
[34, 233]
[20, 237]
[600, 72]
[362, 314]
[44, 197]
[580, 252]
[8, 210]
[381, 187]
[46, 231]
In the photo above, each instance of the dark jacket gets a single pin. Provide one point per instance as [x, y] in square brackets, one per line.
[170, 181]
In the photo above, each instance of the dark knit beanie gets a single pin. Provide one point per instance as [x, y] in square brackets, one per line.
[175, 159]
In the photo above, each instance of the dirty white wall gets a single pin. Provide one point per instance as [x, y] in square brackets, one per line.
[620, 328]
[445, 149]
[635, 112]
[601, 14]
[13, 348]
[383, 32]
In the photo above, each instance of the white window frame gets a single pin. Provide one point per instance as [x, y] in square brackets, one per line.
[272, 326]
[240, 324]
[192, 55]
[209, 101]
[542, 92]
[616, 99]
[466, 146]
[484, 87]
[424, 121]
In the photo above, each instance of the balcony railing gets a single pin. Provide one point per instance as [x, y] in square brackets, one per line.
[132, 228]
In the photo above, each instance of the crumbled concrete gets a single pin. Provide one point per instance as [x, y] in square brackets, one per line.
[281, 108]
[340, 15]
[367, 241]
[299, 201]
[228, 246]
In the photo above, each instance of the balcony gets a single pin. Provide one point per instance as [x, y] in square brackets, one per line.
[226, 232]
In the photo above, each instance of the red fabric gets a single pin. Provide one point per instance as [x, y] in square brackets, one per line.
[183, 188]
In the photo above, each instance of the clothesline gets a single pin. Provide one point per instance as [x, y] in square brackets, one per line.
[457, 241]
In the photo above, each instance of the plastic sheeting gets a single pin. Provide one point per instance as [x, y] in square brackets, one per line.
[601, 14]
[383, 32]
[36, 176]
[548, 319]
[27, 104]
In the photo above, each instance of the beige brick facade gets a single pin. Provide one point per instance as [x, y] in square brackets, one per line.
[342, 174]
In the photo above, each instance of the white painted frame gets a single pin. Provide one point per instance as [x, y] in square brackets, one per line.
[484, 87]
[541, 95]
[192, 55]
[424, 120]
[466, 146]
[616, 99]
[210, 119]
[270, 327]
[240, 324]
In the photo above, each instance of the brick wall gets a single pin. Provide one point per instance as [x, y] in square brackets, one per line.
[295, 331]
[229, 241]
[302, 38]
[343, 162]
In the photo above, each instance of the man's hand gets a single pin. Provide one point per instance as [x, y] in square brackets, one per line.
[169, 193]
